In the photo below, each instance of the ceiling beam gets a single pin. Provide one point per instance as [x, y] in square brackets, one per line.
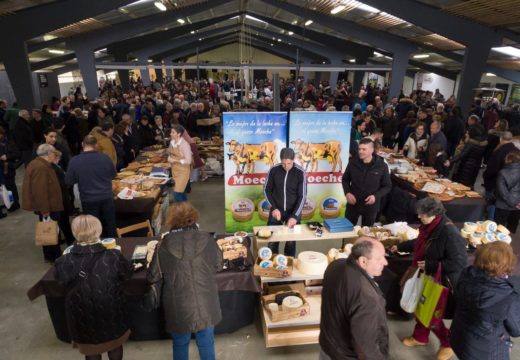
[431, 18]
[452, 75]
[52, 61]
[44, 44]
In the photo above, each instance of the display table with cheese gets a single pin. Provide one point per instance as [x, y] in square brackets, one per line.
[293, 322]
[238, 294]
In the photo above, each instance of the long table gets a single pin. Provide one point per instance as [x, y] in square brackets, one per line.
[238, 294]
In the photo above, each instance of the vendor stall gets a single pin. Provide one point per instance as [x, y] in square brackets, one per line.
[238, 294]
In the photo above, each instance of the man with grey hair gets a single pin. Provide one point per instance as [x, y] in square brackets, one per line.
[496, 163]
[353, 315]
[41, 192]
[24, 136]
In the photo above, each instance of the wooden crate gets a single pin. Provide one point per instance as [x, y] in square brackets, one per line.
[272, 272]
[281, 314]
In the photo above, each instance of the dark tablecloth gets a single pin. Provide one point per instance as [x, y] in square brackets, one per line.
[458, 210]
[238, 294]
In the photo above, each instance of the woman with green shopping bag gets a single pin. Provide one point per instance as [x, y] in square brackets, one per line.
[439, 246]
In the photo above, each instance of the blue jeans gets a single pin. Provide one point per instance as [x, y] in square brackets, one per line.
[290, 246]
[205, 343]
[180, 196]
[490, 208]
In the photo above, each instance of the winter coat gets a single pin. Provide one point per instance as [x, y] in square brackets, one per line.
[445, 246]
[405, 105]
[454, 129]
[146, 135]
[95, 304]
[353, 316]
[188, 260]
[41, 191]
[488, 313]
[23, 135]
[414, 143]
[495, 164]
[469, 160]
[508, 187]
[104, 145]
[9, 149]
[119, 146]
[389, 127]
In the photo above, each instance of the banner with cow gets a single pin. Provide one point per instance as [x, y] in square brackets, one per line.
[252, 144]
[321, 141]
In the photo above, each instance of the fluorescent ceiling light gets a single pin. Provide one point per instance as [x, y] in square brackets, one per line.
[49, 37]
[150, 60]
[181, 21]
[234, 17]
[255, 19]
[308, 22]
[294, 22]
[53, 51]
[378, 54]
[388, 57]
[100, 51]
[337, 9]
[324, 62]
[421, 56]
[290, 33]
[279, 40]
[272, 44]
[507, 50]
[368, 8]
[352, 60]
[490, 74]
[159, 5]
[192, 32]
[435, 63]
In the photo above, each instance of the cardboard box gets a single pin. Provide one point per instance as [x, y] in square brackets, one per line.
[272, 272]
[282, 314]
[239, 252]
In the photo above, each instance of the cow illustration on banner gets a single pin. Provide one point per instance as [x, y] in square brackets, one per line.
[252, 144]
[321, 142]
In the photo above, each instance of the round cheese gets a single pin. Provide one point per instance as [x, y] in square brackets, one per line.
[504, 237]
[480, 225]
[503, 229]
[273, 306]
[280, 260]
[348, 249]
[341, 255]
[109, 243]
[487, 238]
[330, 208]
[242, 209]
[308, 209]
[265, 253]
[280, 267]
[263, 209]
[489, 226]
[471, 227]
[465, 233]
[292, 303]
[312, 262]
[266, 264]
[475, 239]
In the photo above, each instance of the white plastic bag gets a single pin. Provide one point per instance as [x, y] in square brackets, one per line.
[412, 291]
[7, 196]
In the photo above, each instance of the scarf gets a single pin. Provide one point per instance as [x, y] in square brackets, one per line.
[419, 249]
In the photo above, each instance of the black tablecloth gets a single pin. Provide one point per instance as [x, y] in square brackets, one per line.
[458, 210]
[238, 294]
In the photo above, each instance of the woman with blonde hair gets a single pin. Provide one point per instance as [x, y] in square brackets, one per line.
[488, 306]
[94, 303]
[186, 261]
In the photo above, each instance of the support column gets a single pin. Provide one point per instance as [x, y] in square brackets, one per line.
[399, 66]
[333, 78]
[158, 74]
[124, 74]
[475, 58]
[16, 63]
[305, 76]
[87, 67]
[359, 74]
[145, 75]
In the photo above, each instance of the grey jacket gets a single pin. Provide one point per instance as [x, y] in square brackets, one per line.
[508, 187]
[188, 260]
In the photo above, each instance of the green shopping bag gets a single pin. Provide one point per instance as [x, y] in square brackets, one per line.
[433, 301]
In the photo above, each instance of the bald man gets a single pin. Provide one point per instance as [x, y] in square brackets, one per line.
[353, 316]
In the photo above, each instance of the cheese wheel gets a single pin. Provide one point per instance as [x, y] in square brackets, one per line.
[480, 225]
[280, 260]
[312, 262]
[330, 208]
[280, 267]
[342, 255]
[465, 233]
[487, 238]
[475, 239]
[263, 209]
[470, 227]
[265, 253]
[117, 247]
[331, 255]
[308, 209]
[502, 229]
[489, 226]
[291, 303]
[273, 307]
[109, 243]
[242, 209]
[348, 249]
[504, 237]
[266, 264]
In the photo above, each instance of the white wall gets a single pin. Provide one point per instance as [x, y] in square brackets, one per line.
[432, 81]
[408, 84]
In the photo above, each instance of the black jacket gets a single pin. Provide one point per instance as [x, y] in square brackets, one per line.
[146, 136]
[23, 135]
[487, 314]
[95, 305]
[454, 129]
[470, 159]
[353, 316]
[495, 164]
[363, 179]
[286, 190]
[8, 148]
[508, 187]
[389, 126]
[188, 261]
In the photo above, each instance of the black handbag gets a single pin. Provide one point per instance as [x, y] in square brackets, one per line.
[152, 298]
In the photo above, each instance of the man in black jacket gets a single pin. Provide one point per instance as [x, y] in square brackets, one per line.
[353, 316]
[285, 190]
[24, 137]
[365, 181]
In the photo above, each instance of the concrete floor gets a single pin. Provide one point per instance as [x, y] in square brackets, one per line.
[26, 331]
